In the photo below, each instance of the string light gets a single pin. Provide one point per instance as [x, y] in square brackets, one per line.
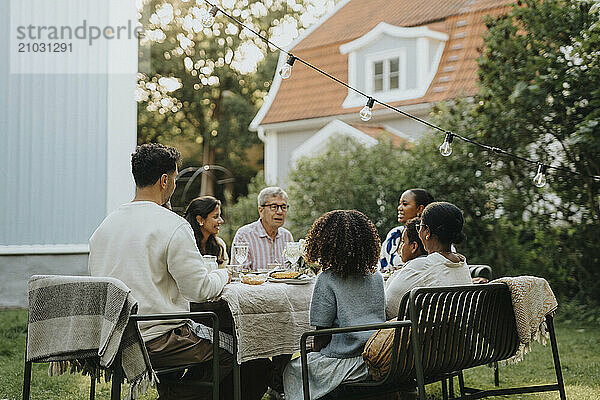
[540, 179]
[366, 113]
[209, 19]
[446, 147]
[286, 70]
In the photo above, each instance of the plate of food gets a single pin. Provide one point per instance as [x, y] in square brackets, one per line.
[251, 279]
[289, 277]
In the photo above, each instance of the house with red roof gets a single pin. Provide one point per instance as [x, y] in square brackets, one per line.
[408, 54]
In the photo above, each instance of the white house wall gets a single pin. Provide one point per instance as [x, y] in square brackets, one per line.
[287, 143]
[65, 141]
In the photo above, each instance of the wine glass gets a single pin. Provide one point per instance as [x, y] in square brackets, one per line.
[293, 251]
[240, 252]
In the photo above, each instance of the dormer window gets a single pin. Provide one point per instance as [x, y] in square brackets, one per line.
[392, 63]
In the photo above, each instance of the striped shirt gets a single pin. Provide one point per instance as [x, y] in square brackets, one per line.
[262, 249]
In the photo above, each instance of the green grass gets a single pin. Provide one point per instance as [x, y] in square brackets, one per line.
[578, 344]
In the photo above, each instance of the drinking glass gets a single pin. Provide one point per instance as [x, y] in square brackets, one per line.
[240, 253]
[293, 251]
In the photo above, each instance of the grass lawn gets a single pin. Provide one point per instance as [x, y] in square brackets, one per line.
[579, 349]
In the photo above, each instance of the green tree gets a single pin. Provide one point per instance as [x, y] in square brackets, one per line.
[197, 83]
[346, 175]
[540, 99]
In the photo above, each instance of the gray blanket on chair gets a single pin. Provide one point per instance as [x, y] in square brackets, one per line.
[79, 317]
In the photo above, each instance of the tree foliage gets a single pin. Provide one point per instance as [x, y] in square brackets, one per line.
[198, 83]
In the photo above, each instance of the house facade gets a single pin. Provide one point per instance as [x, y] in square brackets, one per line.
[410, 55]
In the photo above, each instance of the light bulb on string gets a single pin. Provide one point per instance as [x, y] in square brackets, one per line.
[366, 113]
[540, 179]
[209, 19]
[446, 147]
[286, 70]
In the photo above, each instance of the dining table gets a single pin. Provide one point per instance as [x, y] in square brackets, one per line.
[265, 320]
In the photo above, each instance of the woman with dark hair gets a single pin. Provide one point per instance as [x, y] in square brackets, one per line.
[441, 225]
[411, 246]
[204, 215]
[410, 205]
[349, 291]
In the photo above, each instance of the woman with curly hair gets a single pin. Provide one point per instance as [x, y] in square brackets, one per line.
[349, 291]
[204, 215]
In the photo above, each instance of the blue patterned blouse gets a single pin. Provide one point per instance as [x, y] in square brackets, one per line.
[389, 256]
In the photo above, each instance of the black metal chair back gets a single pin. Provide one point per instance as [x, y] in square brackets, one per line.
[476, 322]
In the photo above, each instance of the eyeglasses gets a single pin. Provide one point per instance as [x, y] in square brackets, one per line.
[276, 207]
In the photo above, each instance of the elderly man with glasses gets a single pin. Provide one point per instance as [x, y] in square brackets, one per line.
[266, 237]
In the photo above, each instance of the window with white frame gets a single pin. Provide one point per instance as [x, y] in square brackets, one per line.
[386, 72]
[386, 75]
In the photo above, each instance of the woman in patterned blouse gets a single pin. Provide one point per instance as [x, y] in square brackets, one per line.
[411, 204]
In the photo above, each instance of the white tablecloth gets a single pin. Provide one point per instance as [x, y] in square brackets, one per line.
[269, 318]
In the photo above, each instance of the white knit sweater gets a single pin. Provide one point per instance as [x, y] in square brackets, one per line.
[153, 251]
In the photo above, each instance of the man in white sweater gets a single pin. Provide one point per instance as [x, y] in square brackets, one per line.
[153, 251]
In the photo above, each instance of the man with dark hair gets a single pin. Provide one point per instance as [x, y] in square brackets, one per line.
[153, 251]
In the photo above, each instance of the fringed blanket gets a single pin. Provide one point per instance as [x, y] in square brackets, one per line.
[532, 299]
[78, 323]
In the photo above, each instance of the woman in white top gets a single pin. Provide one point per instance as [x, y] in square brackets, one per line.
[441, 225]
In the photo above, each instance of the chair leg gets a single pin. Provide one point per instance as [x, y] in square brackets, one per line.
[496, 374]
[117, 378]
[451, 387]
[92, 387]
[461, 383]
[444, 389]
[559, 377]
[26, 379]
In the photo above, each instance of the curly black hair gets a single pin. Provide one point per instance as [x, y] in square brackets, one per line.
[151, 160]
[345, 242]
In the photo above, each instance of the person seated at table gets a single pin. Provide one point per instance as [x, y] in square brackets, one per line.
[410, 205]
[410, 246]
[440, 226]
[152, 250]
[266, 237]
[349, 291]
[204, 215]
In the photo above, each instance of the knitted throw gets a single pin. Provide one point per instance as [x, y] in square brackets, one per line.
[532, 299]
[78, 323]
